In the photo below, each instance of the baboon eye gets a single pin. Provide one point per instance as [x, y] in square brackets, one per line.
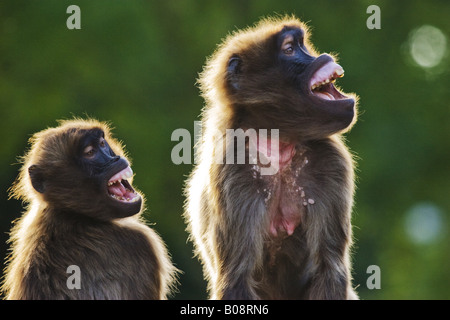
[89, 152]
[288, 45]
[102, 143]
[288, 50]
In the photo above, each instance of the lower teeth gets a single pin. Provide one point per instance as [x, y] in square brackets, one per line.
[124, 199]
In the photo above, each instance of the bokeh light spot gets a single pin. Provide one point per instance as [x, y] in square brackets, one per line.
[424, 223]
[427, 46]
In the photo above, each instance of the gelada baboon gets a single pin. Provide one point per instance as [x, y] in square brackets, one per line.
[82, 211]
[285, 235]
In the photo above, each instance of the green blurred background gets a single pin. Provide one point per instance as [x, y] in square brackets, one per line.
[135, 63]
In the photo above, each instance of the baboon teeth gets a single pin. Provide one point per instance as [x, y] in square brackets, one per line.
[125, 174]
[134, 199]
[326, 74]
[120, 189]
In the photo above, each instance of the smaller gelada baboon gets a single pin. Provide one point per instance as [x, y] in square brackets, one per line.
[83, 215]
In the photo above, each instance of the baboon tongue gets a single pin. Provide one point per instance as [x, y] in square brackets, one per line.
[117, 189]
[324, 95]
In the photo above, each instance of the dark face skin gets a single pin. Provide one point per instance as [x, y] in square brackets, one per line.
[92, 181]
[292, 53]
[94, 153]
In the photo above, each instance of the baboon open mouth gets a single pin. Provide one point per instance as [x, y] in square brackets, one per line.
[321, 82]
[120, 189]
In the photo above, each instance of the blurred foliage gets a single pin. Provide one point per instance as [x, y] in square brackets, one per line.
[135, 63]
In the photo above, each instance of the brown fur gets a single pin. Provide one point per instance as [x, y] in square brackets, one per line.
[230, 207]
[119, 258]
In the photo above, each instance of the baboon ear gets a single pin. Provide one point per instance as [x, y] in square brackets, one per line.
[37, 179]
[233, 71]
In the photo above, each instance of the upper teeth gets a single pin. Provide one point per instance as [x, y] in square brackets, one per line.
[125, 174]
[336, 73]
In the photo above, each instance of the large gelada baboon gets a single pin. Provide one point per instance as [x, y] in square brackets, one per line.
[284, 235]
[83, 215]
